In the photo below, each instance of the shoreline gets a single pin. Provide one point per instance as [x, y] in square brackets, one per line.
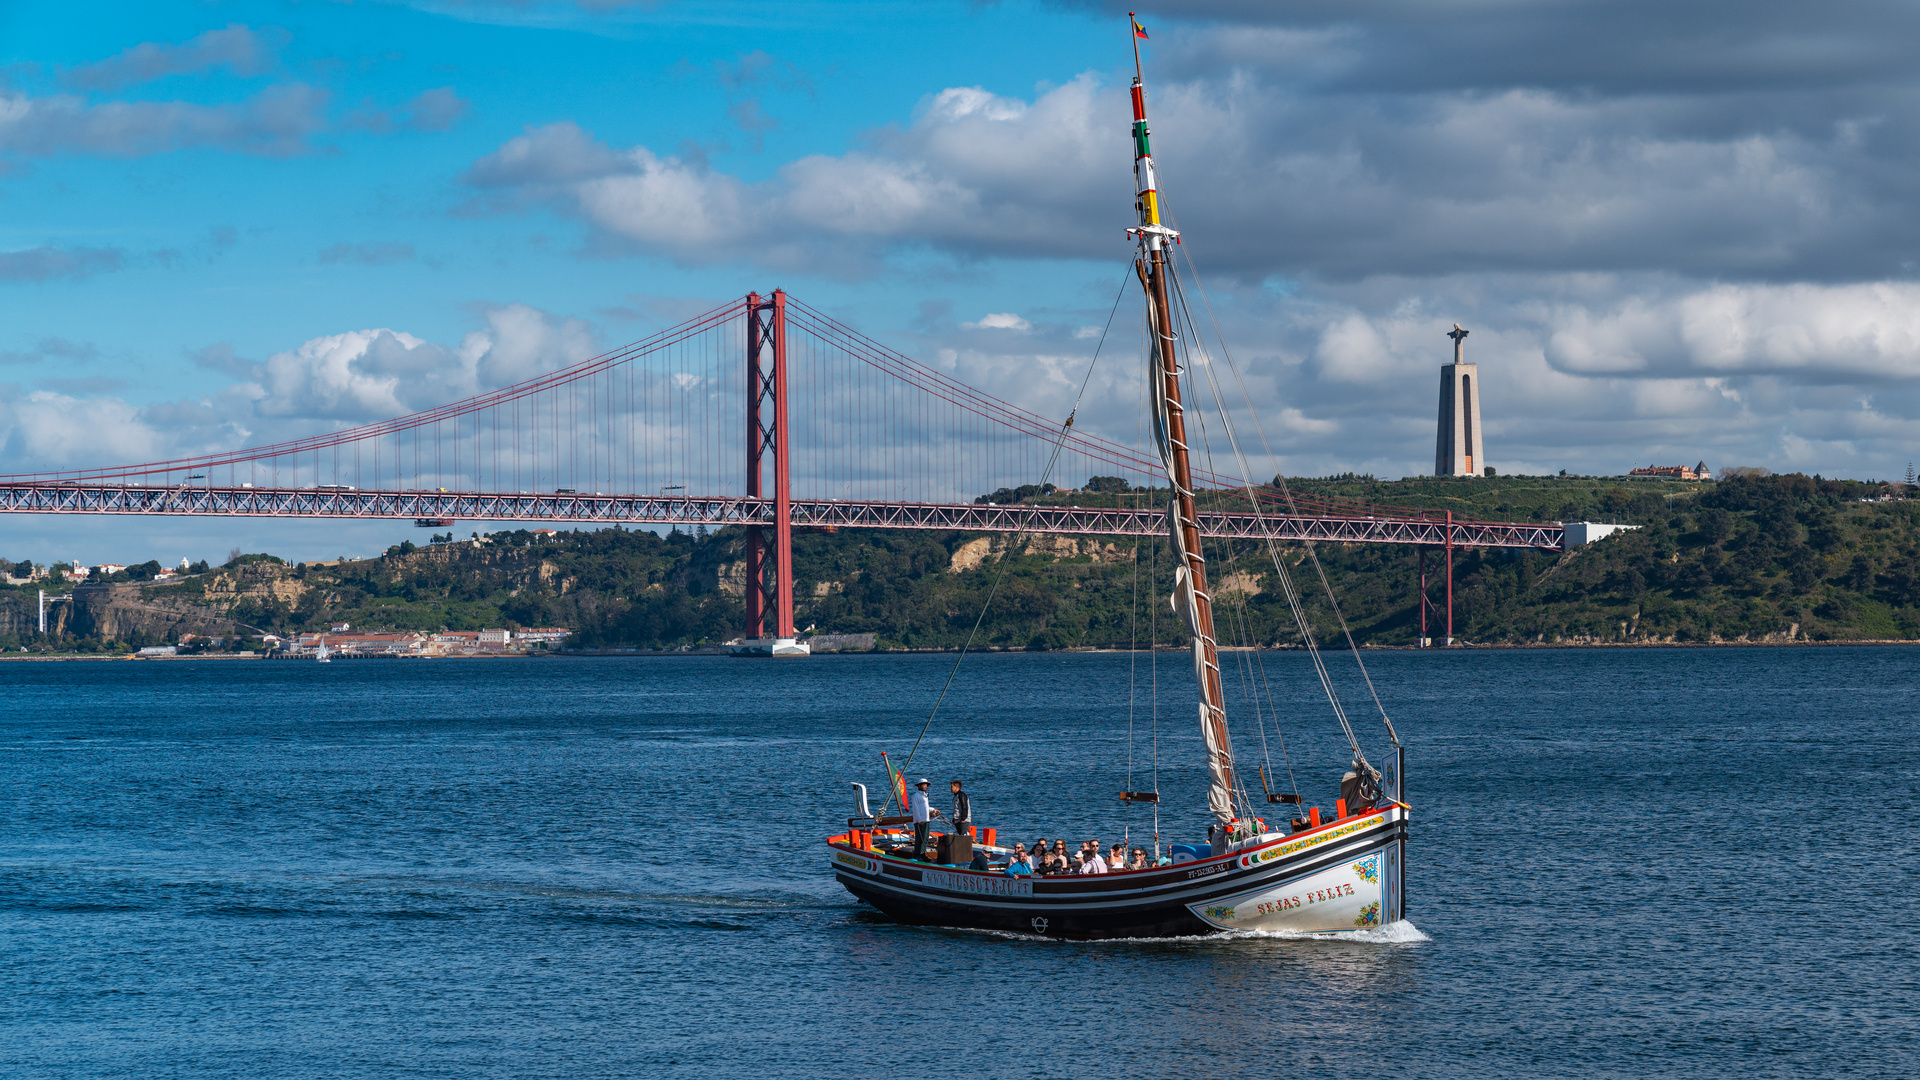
[677, 654]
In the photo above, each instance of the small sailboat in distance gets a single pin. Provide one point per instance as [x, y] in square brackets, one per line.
[1340, 873]
[320, 655]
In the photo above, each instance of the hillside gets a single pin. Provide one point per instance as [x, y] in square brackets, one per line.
[1766, 558]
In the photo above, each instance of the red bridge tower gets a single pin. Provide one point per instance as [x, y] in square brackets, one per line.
[769, 568]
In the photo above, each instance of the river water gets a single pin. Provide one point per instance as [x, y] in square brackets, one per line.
[1631, 863]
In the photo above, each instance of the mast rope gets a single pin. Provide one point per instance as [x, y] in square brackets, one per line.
[1288, 589]
[1286, 493]
[1198, 416]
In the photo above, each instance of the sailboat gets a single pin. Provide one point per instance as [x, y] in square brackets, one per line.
[1338, 873]
[320, 655]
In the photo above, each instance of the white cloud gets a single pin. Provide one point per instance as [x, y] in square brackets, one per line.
[1273, 179]
[359, 375]
[520, 342]
[1004, 320]
[58, 430]
[436, 110]
[367, 375]
[277, 121]
[974, 172]
[431, 110]
[1811, 333]
[555, 154]
[325, 383]
[47, 262]
[240, 49]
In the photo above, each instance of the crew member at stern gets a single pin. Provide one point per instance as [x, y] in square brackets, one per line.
[962, 817]
[922, 812]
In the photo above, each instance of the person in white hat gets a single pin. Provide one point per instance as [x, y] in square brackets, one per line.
[922, 813]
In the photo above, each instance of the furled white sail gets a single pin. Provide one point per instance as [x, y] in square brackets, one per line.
[1192, 604]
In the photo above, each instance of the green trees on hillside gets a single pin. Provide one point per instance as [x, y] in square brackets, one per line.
[1750, 557]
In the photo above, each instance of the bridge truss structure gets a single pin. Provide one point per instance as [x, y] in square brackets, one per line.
[717, 511]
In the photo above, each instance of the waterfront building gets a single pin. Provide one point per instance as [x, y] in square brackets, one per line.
[1673, 472]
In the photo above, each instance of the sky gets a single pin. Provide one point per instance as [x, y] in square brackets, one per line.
[1676, 232]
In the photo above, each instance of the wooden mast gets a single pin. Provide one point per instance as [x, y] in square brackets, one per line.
[1191, 596]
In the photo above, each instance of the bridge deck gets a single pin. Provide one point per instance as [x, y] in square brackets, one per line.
[555, 509]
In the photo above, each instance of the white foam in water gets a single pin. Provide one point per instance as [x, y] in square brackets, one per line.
[1394, 933]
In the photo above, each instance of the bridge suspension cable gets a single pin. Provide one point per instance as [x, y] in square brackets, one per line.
[868, 426]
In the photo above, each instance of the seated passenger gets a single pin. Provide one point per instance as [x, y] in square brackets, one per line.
[1094, 864]
[1079, 864]
[1117, 857]
[1139, 860]
[980, 860]
[1020, 865]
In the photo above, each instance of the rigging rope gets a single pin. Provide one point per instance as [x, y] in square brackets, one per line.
[1199, 417]
[1286, 493]
[1286, 579]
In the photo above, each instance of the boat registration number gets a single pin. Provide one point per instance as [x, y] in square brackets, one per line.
[979, 884]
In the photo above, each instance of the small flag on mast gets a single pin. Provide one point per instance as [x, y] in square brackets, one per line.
[1138, 30]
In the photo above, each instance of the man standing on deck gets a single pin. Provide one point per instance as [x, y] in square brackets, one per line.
[962, 817]
[922, 817]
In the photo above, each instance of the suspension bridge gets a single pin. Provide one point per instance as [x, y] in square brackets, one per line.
[764, 413]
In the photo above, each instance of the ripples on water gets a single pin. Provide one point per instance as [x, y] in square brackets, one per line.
[1626, 863]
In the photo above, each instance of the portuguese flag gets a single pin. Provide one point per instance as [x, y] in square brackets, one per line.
[897, 780]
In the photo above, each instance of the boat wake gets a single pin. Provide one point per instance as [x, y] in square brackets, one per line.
[1394, 933]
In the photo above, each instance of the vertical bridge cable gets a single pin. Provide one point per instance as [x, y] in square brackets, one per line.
[412, 426]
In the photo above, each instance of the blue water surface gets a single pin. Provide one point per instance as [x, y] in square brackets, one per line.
[1625, 863]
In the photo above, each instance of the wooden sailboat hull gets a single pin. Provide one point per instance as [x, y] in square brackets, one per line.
[1345, 876]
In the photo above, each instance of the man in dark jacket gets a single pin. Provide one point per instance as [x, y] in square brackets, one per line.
[962, 810]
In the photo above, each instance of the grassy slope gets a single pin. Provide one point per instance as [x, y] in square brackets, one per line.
[1746, 558]
[1741, 559]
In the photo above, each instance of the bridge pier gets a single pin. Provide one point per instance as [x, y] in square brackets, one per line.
[1446, 544]
[1424, 641]
[769, 560]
